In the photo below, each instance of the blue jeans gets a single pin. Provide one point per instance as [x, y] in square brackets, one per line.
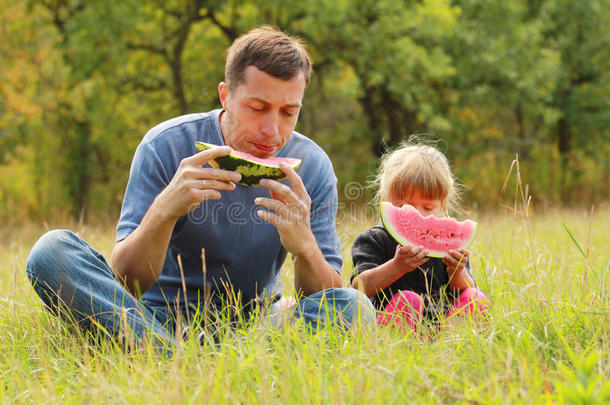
[75, 280]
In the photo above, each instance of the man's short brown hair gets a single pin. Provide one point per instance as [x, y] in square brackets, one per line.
[270, 51]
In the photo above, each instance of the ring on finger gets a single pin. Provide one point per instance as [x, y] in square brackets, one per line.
[203, 183]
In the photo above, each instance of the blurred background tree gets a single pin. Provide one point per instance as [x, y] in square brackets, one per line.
[82, 82]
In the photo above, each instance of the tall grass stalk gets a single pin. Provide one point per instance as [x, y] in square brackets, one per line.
[522, 200]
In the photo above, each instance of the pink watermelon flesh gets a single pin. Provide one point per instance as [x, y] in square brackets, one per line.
[438, 235]
[272, 161]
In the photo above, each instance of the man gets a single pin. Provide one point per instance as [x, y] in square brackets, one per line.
[178, 210]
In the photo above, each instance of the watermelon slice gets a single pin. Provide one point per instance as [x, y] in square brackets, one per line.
[251, 168]
[438, 235]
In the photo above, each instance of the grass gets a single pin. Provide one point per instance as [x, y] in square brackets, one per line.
[548, 342]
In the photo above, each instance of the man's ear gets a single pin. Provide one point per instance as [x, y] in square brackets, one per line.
[223, 93]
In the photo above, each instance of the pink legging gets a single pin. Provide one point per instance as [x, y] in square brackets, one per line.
[408, 307]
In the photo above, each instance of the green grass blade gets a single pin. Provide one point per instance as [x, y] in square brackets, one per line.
[580, 249]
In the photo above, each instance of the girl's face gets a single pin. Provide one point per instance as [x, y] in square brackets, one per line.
[425, 206]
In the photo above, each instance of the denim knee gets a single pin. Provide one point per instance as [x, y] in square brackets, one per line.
[348, 296]
[46, 252]
[360, 304]
[352, 304]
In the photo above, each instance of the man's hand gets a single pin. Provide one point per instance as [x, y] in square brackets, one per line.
[410, 257]
[192, 184]
[290, 212]
[138, 259]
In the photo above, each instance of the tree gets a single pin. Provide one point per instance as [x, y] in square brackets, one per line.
[505, 72]
[580, 34]
[394, 49]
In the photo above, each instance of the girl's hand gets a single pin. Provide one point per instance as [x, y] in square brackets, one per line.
[410, 257]
[456, 261]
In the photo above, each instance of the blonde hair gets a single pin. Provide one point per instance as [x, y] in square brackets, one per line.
[419, 167]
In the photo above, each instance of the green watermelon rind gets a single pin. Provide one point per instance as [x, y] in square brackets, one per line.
[398, 237]
[251, 172]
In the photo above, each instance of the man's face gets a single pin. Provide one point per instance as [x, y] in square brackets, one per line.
[261, 113]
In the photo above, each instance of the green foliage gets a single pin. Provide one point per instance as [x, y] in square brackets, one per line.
[84, 81]
[579, 33]
[583, 382]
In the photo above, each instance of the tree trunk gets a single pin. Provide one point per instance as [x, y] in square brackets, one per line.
[178, 84]
[522, 148]
[563, 145]
[79, 181]
[374, 121]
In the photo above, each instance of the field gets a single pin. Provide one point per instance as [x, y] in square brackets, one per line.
[548, 278]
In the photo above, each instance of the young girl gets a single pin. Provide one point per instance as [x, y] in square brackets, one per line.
[402, 282]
